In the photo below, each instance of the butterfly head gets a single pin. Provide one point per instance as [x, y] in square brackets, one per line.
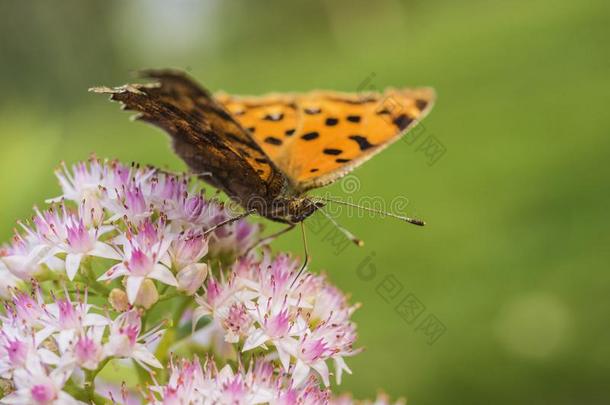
[292, 209]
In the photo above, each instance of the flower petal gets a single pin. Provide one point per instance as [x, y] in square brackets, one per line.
[164, 275]
[300, 373]
[141, 353]
[72, 264]
[199, 313]
[133, 286]
[256, 339]
[104, 250]
[115, 271]
[322, 369]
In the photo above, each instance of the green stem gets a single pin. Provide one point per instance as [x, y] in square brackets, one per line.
[83, 394]
[87, 276]
[168, 296]
[90, 380]
[95, 285]
[169, 337]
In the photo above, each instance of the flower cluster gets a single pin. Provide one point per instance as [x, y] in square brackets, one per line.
[262, 306]
[131, 263]
[259, 384]
[148, 221]
[45, 346]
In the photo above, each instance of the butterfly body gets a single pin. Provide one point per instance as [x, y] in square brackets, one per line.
[266, 152]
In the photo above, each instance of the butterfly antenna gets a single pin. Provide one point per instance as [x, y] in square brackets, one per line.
[306, 255]
[228, 221]
[413, 221]
[356, 241]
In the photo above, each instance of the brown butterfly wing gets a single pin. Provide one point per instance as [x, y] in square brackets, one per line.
[318, 137]
[204, 135]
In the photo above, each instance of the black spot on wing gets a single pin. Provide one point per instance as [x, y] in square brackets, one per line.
[310, 136]
[273, 140]
[289, 132]
[330, 122]
[353, 118]
[402, 121]
[362, 142]
[421, 104]
[313, 170]
[251, 129]
[333, 152]
[339, 160]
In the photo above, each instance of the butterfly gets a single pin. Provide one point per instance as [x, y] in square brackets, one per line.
[266, 152]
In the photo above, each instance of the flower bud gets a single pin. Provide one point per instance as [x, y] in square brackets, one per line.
[147, 295]
[191, 277]
[91, 211]
[118, 300]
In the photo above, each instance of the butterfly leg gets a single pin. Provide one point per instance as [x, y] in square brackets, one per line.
[306, 260]
[348, 234]
[267, 239]
[228, 221]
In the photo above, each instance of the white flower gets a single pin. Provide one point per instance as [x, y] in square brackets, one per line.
[34, 386]
[68, 319]
[7, 281]
[143, 255]
[125, 340]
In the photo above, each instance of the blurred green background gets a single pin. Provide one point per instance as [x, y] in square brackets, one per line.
[514, 262]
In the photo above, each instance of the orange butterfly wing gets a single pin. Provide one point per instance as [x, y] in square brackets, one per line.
[318, 137]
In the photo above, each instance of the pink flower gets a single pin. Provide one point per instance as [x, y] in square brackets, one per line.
[25, 257]
[69, 319]
[88, 349]
[237, 323]
[261, 304]
[143, 232]
[187, 248]
[125, 340]
[15, 349]
[57, 231]
[191, 383]
[144, 253]
[88, 180]
[33, 385]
